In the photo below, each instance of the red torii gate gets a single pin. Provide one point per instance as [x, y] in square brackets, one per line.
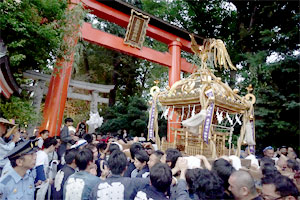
[57, 92]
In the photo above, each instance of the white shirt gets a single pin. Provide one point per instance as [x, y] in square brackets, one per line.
[40, 142]
[5, 148]
[42, 159]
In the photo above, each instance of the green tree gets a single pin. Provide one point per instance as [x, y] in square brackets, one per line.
[132, 117]
[33, 31]
[18, 109]
[272, 28]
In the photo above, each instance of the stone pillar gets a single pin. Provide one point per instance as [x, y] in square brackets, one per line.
[94, 102]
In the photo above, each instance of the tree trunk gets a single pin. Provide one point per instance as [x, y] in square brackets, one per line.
[85, 59]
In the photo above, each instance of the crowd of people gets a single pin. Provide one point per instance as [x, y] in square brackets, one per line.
[78, 165]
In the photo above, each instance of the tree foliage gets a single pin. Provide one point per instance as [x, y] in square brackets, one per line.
[18, 109]
[132, 117]
[276, 83]
[33, 31]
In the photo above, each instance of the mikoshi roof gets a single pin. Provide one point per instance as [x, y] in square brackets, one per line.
[188, 91]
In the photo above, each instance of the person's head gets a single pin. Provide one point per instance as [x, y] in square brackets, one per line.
[23, 156]
[36, 132]
[72, 130]
[282, 162]
[113, 147]
[283, 150]
[4, 126]
[292, 155]
[70, 156]
[223, 169]
[117, 162]
[26, 161]
[84, 158]
[170, 157]
[149, 150]
[279, 187]
[88, 138]
[141, 159]
[290, 149]
[69, 121]
[161, 177]
[3, 129]
[93, 148]
[204, 183]
[94, 137]
[135, 147]
[269, 152]
[269, 169]
[80, 144]
[99, 137]
[50, 144]
[242, 185]
[142, 134]
[292, 165]
[155, 158]
[25, 135]
[265, 160]
[44, 134]
[101, 146]
[246, 152]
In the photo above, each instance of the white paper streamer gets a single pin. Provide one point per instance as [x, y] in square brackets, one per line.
[165, 113]
[237, 118]
[219, 116]
[171, 116]
[188, 115]
[182, 113]
[229, 119]
[193, 112]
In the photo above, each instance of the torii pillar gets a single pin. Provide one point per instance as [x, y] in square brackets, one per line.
[58, 89]
[174, 75]
[56, 97]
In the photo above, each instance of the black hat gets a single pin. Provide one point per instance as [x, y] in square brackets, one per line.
[26, 147]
